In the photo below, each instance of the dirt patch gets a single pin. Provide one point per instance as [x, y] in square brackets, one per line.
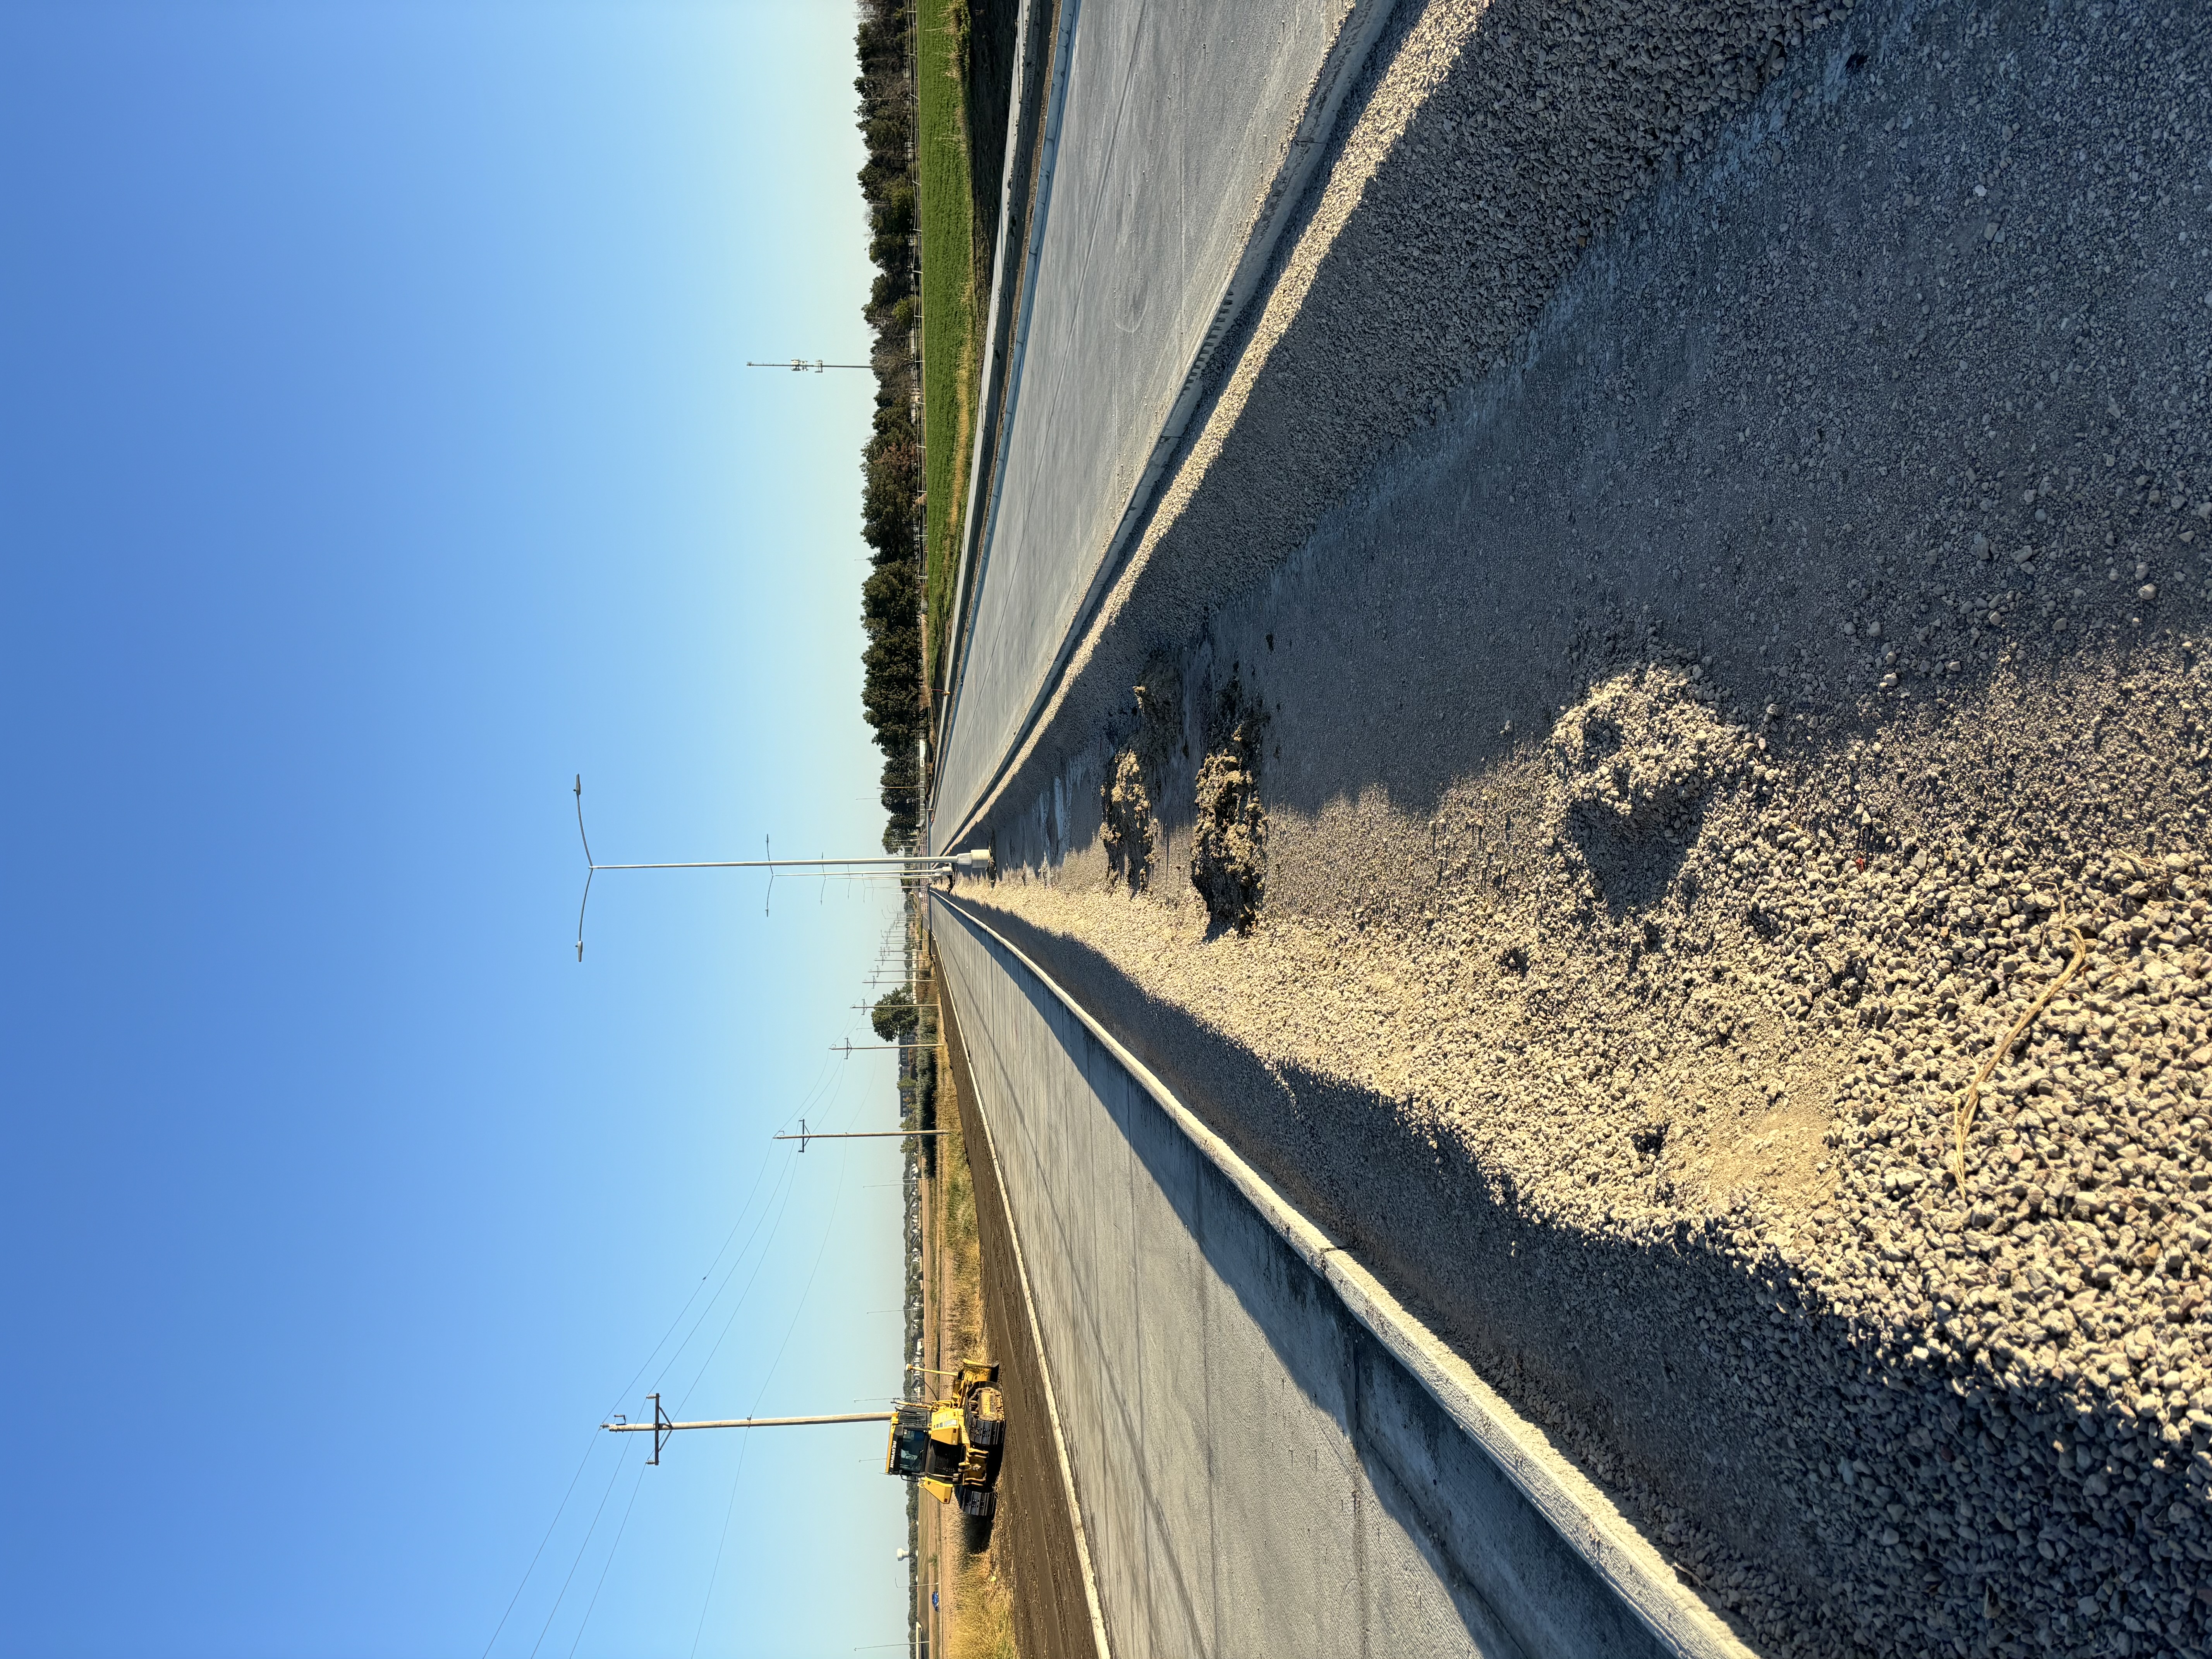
[1779, 1157]
[1127, 829]
[1229, 836]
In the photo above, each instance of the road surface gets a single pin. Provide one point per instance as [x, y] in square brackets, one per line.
[1171, 165]
[1269, 1455]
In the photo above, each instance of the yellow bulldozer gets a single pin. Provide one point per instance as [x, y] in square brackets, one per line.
[952, 1448]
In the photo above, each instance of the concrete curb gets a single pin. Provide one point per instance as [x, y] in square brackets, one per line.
[1044, 1372]
[1568, 1502]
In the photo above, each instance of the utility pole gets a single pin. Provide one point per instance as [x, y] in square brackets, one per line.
[660, 1428]
[801, 366]
[806, 1134]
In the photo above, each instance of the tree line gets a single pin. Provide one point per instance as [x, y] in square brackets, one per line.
[890, 464]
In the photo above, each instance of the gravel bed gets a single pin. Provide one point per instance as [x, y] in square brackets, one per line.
[1684, 765]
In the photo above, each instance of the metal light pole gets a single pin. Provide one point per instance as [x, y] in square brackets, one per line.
[903, 865]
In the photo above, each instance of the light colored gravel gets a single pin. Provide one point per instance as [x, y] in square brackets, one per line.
[1684, 763]
[1761, 1062]
[1489, 144]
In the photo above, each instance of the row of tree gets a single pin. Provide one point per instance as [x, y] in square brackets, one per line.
[891, 464]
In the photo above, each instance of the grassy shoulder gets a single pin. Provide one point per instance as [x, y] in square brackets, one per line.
[962, 1258]
[985, 1628]
[950, 298]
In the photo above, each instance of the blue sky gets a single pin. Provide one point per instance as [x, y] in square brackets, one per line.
[378, 454]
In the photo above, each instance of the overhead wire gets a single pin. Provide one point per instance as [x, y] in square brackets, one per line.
[590, 1446]
[720, 1543]
[577, 1562]
[730, 1321]
[738, 1307]
[830, 1078]
[759, 1175]
[829, 1227]
[612, 1551]
[800, 1308]
[823, 1076]
[789, 1182]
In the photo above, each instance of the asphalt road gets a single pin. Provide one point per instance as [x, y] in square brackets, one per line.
[1177, 123]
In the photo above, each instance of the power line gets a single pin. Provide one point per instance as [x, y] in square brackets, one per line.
[791, 1181]
[758, 1175]
[578, 1561]
[542, 1543]
[721, 1544]
[612, 1551]
[800, 1308]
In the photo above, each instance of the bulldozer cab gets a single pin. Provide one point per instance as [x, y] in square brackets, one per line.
[952, 1448]
[916, 1454]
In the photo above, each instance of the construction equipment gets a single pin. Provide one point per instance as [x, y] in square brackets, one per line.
[952, 1448]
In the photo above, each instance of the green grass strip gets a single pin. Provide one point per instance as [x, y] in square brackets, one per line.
[950, 300]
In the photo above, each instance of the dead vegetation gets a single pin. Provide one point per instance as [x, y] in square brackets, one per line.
[985, 1628]
[961, 1257]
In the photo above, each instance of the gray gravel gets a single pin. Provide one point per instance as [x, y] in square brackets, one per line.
[1685, 760]
[1489, 144]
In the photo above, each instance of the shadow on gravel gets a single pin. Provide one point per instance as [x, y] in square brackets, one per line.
[1851, 1464]
[1873, 424]
[1633, 868]
[1785, 418]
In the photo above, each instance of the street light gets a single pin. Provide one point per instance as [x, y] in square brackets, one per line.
[969, 865]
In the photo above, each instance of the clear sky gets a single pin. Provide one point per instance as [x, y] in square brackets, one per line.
[378, 454]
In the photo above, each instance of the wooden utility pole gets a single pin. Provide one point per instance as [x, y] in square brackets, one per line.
[806, 1134]
[660, 1428]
